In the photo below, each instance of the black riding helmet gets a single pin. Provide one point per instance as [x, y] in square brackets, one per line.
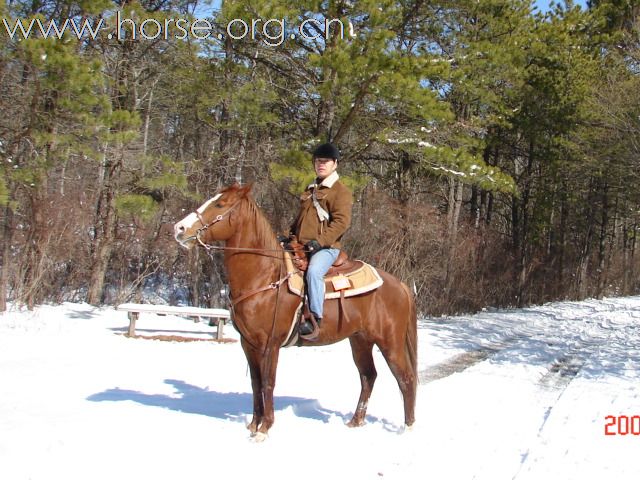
[327, 150]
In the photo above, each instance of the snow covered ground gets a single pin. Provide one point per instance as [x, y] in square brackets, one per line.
[518, 394]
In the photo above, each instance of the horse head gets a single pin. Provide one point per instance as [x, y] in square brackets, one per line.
[212, 220]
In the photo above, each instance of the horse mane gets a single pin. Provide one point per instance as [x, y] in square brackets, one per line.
[264, 231]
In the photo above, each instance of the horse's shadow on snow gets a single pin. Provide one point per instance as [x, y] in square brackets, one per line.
[224, 405]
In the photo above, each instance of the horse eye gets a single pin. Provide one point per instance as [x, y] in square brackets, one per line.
[219, 205]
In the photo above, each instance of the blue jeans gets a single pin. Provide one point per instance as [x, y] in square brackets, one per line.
[319, 264]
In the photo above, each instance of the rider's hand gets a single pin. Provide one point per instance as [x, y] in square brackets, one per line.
[283, 239]
[312, 246]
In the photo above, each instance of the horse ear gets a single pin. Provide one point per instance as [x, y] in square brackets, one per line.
[245, 189]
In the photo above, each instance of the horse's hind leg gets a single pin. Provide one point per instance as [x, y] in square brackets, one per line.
[361, 350]
[401, 365]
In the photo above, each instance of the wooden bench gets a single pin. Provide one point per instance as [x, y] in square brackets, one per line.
[135, 309]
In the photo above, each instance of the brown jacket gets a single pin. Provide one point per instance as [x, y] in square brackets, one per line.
[334, 197]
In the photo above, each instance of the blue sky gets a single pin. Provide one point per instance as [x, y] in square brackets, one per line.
[543, 5]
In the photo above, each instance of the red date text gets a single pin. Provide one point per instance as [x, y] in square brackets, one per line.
[622, 425]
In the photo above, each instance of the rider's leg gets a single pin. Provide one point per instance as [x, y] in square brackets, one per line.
[319, 264]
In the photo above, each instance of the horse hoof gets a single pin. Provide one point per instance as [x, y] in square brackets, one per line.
[405, 429]
[259, 437]
[252, 428]
[355, 424]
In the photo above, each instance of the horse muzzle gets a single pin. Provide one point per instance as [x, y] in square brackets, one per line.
[180, 234]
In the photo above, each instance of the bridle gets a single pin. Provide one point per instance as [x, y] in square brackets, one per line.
[206, 226]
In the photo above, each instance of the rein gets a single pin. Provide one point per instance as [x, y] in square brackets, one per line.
[237, 249]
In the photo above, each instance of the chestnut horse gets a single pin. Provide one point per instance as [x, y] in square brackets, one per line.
[264, 308]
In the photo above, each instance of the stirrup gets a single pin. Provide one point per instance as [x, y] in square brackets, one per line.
[316, 330]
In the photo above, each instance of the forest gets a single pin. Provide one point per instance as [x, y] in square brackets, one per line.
[493, 149]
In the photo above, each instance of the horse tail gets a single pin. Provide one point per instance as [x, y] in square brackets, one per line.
[411, 336]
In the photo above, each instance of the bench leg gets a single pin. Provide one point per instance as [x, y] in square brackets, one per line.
[220, 328]
[133, 316]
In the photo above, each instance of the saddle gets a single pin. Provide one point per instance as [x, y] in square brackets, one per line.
[345, 278]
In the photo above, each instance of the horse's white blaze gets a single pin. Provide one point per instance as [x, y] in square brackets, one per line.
[206, 204]
[189, 221]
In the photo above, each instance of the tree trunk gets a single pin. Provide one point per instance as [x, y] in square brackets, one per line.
[475, 204]
[625, 259]
[479, 196]
[583, 261]
[523, 237]
[632, 251]
[195, 274]
[326, 107]
[7, 230]
[515, 223]
[488, 209]
[35, 259]
[456, 191]
[104, 247]
[561, 244]
[104, 230]
[147, 119]
[602, 240]
[99, 271]
[225, 137]
[628, 246]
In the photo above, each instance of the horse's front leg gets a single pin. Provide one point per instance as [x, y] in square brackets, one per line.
[253, 359]
[268, 374]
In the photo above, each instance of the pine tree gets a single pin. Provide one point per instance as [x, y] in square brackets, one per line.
[52, 95]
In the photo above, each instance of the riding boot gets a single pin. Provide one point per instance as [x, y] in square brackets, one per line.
[309, 329]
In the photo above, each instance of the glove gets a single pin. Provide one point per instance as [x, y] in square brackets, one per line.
[312, 246]
[283, 239]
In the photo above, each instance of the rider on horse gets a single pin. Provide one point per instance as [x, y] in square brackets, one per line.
[386, 317]
[324, 217]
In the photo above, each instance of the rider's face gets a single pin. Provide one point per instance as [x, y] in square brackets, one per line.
[324, 167]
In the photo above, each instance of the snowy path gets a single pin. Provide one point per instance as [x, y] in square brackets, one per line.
[582, 362]
[519, 394]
